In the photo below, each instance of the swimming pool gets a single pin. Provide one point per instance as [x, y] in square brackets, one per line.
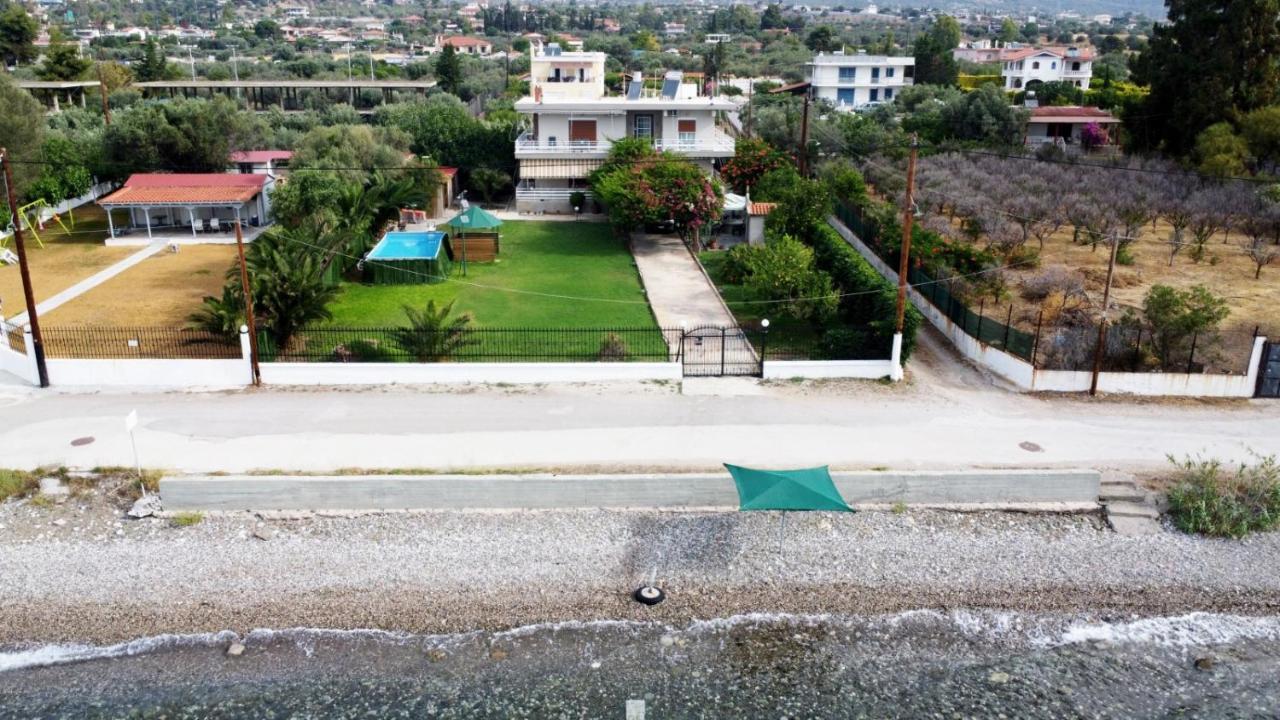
[407, 258]
[423, 245]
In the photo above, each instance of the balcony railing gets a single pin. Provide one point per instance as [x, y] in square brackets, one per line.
[715, 142]
[549, 194]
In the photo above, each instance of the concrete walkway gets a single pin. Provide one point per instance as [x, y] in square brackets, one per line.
[90, 282]
[678, 291]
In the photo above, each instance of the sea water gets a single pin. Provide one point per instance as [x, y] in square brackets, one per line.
[907, 665]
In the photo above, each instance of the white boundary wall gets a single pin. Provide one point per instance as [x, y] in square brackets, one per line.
[1026, 377]
[23, 365]
[204, 374]
[446, 373]
[862, 369]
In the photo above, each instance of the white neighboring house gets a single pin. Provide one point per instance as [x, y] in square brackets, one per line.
[859, 79]
[273, 164]
[572, 123]
[1027, 67]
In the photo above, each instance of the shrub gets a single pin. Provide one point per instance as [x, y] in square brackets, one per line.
[1053, 279]
[1208, 501]
[361, 351]
[846, 344]
[186, 519]
[612, 349]
[1124, 255]
[1175, 317]
[578, 199]
[15, 483]
[868, 300]
[1049, 152]
[432, 335]
[783, 270]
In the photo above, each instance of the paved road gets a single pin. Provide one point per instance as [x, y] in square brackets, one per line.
[934, 421]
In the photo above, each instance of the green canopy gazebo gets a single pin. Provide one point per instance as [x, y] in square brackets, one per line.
[803, 489]
[476, 234]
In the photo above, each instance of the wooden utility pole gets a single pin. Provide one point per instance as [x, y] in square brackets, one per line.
[804, 139]
[1102, 322]
[33, 317]
[248, 306]
[102, 90]
[908, 217]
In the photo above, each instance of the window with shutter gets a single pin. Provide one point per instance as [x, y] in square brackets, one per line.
[687, 130]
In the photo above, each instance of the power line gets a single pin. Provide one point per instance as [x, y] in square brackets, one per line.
[445, 278]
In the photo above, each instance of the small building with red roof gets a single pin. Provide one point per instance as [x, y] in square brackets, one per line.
[466, 45]
[1063, 125]
[201, 202]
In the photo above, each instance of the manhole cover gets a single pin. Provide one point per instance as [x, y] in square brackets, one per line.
[1030, 447]
[81, 441]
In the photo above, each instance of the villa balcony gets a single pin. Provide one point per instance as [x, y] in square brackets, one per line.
[716, 143]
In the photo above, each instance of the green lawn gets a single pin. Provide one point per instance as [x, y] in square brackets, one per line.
[574, 259]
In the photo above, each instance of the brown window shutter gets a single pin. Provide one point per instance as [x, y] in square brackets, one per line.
[582, 131]
[687, 126]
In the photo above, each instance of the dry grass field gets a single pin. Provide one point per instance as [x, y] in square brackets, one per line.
[1225, 270]
[161, 291]
[65, 260]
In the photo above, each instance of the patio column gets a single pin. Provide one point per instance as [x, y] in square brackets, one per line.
[111, 226]
[191, 214]
[146, 212]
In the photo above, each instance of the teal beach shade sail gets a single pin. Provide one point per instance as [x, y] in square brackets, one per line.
[803, 489]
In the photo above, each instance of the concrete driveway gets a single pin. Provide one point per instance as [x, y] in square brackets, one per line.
[678, 291]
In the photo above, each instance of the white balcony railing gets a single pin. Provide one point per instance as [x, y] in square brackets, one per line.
[528, 144]
[715, 142]
[549, 194]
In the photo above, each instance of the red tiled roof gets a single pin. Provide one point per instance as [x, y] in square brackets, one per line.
[761, 208]
[260, 156]
[1058, 112]
[793, 87]
[180, 188]
[1023, 53]
[460, 41]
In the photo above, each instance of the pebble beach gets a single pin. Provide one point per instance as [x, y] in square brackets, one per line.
[80, 572]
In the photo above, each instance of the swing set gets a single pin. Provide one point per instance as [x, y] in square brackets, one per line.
[33, 221]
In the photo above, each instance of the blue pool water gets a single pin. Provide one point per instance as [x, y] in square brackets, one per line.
[408, 246]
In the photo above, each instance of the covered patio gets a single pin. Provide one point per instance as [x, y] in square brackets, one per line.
[186, 208]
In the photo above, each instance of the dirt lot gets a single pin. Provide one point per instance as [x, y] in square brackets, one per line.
[1225, 270]
[160, 291]
[65, 260]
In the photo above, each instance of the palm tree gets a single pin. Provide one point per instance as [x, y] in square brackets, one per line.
[289, 291]
[431, 335]
[221, 316]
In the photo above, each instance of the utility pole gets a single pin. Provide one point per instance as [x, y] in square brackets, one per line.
[1102, 322]
[33, 318]
[908, 216]
[102, 90]
[804, 138]
[248, 306]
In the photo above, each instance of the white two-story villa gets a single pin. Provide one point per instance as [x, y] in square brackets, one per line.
[571, 123]
[855, 80]
[1027, 67]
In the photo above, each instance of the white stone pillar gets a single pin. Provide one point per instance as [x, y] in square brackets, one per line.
[896, 372]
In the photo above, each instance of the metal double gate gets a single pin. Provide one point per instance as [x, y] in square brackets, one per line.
[710, 351]
[1269, 373]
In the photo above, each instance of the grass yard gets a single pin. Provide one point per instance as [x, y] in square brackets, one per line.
[65, 259]
[160, 291]
[576, 259]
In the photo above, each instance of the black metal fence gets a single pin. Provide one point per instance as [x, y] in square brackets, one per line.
[93, 342]
[994, 331]
[702, 350]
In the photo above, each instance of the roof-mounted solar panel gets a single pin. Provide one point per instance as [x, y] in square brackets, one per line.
[671, 84]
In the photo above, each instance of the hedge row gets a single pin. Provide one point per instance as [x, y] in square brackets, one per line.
[869, 300]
